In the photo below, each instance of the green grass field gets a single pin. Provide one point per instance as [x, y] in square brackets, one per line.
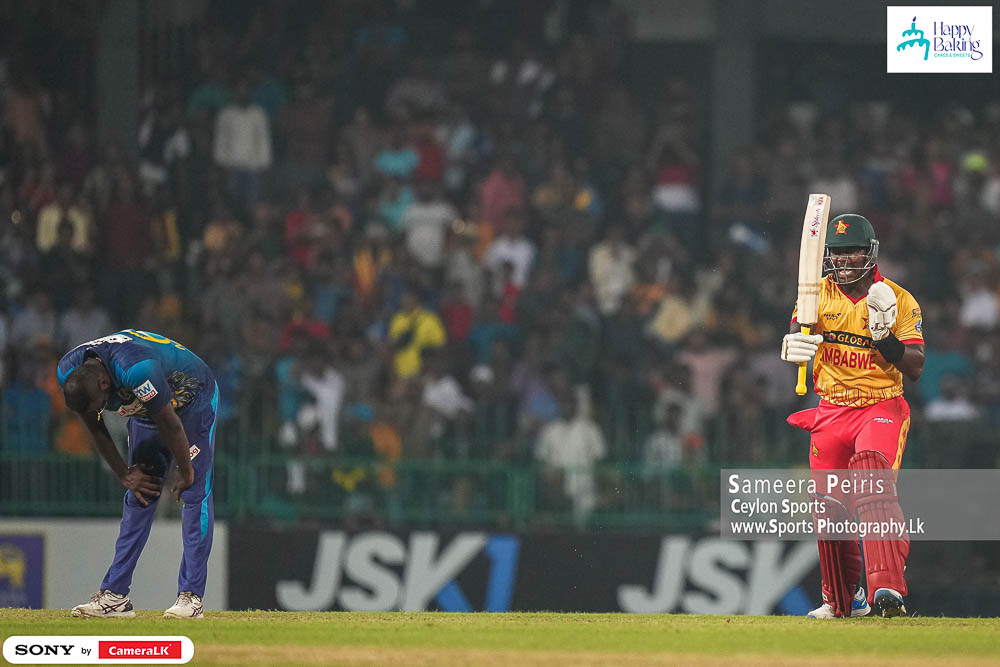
[257, 637]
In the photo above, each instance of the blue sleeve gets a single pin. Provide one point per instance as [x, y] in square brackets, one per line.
[146, 380]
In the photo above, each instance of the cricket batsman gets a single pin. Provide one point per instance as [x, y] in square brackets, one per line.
[171, 399]
[868, 336]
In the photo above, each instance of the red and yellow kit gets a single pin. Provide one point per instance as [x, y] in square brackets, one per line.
[862, 409]
[847, 370]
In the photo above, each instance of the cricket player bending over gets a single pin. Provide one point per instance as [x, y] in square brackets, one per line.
[868, 336]
[171, 398]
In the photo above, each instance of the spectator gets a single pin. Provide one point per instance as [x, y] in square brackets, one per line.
[306, 125]
[210, 96]
[707, 365]
[243, 146]
[511, 245]
[568, 447]
[412, 330]
[28, 107]
[102, 179]
[489, 328]
[833, 178]
[456, 313]
[676, 193]
[127, 241]
[77, 158]
[362, 139]
[26, 411]
[37, 322]
[444, 397]
[979, 304]
[426, 223]
[501, 192]
[326, 386]
[64, 268]
[65, 207]
[664, 448]
[611, 270]
[462, 266]
[83, 321]
[952, 405]
[393, 201]
[398, 159]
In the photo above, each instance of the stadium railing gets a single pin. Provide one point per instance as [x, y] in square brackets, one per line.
[515, 494]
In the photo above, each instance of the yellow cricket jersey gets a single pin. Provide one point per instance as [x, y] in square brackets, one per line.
[847, 370]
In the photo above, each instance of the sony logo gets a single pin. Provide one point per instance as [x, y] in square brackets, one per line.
[42, 649]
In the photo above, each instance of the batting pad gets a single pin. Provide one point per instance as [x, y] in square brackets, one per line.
[884, 559]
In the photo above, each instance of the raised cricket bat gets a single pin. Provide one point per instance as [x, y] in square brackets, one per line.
[811, 269]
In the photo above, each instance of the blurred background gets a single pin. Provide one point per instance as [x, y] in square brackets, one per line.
[515, 266]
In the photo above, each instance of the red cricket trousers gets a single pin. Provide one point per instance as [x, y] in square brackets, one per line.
[836, 434]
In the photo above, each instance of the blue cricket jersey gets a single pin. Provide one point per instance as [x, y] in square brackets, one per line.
[147, 371]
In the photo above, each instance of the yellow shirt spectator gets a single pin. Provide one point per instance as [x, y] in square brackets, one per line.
[412, 330]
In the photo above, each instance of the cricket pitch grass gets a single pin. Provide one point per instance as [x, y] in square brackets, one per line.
[434, 638]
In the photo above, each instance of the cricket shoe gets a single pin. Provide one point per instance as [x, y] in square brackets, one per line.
[105, 604]
[188, 605]
[889, 603]
[859, 607]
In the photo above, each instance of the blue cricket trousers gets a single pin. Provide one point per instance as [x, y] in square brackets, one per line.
[197, 515]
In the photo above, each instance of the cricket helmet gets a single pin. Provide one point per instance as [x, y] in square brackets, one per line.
[850, 230]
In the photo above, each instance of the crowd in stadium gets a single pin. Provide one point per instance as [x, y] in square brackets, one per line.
[497, 251]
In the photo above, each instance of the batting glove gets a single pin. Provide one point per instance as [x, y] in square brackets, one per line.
[798, 347]
[881, 310]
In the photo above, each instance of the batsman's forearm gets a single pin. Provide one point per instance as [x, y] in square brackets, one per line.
[909, 359]
[912, 363]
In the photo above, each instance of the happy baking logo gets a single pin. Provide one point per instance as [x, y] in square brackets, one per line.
[950, 40]
[929, 39]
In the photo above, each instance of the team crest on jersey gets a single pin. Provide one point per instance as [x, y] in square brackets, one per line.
[145, 391]
[815, 449]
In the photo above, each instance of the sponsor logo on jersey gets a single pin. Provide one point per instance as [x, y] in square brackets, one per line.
[919, 326]
[847, 338]
[882, 420]
[145, 391]
[194, 451]
[831, 316]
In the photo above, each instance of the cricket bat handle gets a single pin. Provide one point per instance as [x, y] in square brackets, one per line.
[800, 386]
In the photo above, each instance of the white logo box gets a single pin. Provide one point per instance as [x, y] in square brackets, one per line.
[97, 650]
[932, 39]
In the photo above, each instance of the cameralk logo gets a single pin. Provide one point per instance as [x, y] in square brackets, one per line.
[936, 39]
[97, 650]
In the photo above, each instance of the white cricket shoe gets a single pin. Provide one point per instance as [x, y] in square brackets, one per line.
[188, 605]
[105, 604]
[859, 607]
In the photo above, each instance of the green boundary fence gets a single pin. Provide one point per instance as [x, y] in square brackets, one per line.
[295, 487]
[423, 492]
